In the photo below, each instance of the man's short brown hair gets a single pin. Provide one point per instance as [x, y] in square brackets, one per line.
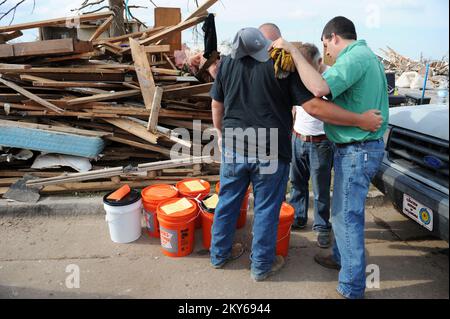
[310, 52]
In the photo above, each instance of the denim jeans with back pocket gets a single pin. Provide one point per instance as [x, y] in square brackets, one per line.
[355, 165]
[269, 180]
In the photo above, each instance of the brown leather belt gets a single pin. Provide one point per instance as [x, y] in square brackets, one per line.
[311, 139]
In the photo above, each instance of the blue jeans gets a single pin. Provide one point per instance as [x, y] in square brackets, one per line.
[315, 161]
[269, 190]
[355, 166]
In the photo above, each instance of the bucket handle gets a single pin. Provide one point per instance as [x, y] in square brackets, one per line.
[288, 234]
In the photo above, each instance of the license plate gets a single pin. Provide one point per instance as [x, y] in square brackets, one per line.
[420, 213]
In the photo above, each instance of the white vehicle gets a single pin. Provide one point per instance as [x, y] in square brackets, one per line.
[415, 170]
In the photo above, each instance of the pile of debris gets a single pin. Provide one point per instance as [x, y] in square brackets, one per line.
[115, 100]
[406, 67]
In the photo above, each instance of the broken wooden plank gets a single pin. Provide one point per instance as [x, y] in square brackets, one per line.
[105, 25]
[6, 51]
[202, 9]
[187, 91]
[5, 37]
[167, 32]
[31, 96]
[154, 111]
[152, 49]
[143, 146]
[69, 130]
[51, 47]
[14, 66]
[116, 171]
[134, 128]
[104, 97]
[72, 21]
[166, 71]
[144, 72]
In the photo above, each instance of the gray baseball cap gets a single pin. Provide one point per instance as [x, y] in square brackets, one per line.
[251, 42]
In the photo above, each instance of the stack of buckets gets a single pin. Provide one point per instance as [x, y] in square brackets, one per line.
[176, 229]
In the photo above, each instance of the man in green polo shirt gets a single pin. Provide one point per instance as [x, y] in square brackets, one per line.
[356, 82]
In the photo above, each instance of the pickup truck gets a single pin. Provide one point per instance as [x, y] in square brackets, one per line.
[414, 174]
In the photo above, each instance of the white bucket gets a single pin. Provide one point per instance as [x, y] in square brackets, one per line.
[124, 222]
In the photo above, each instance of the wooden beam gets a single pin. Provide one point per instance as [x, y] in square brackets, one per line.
[144, 73]
[14, 66]
[31, 96]
[166, 71]
[167, 32]
[202, 9]
[104, 97]
[68, 21]
[187, 91]
[143, 146]
[69, 130]
[134, 128]
[49, 47]
[5, 37]
[101, 29]
[151, 49]
[154, 112]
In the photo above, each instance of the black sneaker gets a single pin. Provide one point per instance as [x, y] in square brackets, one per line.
[299, 225]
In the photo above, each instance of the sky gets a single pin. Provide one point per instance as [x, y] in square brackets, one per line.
[411, 27]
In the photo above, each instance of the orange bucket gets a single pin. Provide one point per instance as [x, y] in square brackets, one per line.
[244, 208]
[287, 213]
[186, 190]
[207, 223]
[151, 197]
[177, 228]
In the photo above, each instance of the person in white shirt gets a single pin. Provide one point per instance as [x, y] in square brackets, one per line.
[312, 159]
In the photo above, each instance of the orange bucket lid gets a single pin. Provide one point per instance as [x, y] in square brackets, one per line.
[180, 215]
[287, 213]
[184, 188]
[157, 193]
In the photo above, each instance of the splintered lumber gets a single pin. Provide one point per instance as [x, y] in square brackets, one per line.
[144, 72]
[5, 37]
[53, 128]
[104, 97]
[202, 9]
[187, 91]
[154, 112]
[49, 47]
[134, 128]
[143, 146]
[14, 66]
[111, 172]
[68, 21]
[6, 50]
[166, 71]
[152, 49]
[125, 37]
[101, 29]
[31, 96]
[167, 32]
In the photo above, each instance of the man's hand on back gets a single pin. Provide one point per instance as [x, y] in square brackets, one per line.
[371, 121]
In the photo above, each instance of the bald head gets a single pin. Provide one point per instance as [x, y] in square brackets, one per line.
[270, 31]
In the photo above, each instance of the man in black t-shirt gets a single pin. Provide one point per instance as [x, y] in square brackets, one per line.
[252, 112]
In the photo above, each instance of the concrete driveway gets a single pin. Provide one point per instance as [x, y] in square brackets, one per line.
[35, 253]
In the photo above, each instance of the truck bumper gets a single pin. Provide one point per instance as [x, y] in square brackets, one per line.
[395, 184]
